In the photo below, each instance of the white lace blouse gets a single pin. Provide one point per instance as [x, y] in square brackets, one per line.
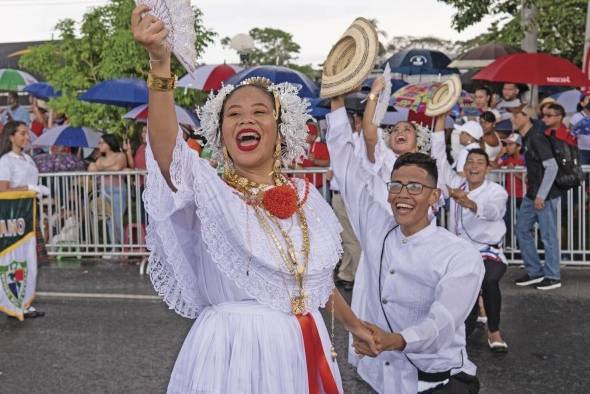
[207, 246]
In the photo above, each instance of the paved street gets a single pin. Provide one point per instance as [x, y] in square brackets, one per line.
[119, 345]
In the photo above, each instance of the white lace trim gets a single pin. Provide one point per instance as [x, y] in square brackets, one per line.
[171, 272]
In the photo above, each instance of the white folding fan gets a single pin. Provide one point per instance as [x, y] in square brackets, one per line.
[178, 17]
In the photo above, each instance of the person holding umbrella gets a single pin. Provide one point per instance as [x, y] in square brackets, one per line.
[19, 172]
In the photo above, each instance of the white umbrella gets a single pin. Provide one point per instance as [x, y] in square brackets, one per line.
[568, 99]
[209, 77]
[183, 115]
[69, 136]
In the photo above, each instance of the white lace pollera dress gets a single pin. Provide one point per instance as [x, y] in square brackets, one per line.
[211, 260]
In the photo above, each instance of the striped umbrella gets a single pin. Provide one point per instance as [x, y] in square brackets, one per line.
[66, 135]
[208, 77]
[14, 80]
[183, 115]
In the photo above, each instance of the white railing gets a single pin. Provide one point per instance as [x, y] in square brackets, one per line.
[97, 214]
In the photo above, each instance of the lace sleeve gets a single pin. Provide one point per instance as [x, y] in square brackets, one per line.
[174, 228]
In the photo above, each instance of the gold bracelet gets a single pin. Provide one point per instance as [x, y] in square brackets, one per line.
[373, 96]
[161, 84]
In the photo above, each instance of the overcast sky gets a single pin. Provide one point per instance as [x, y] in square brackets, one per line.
[315, 25]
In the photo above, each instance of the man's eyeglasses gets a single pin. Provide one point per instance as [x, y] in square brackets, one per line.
[395, 187]
[545, 115]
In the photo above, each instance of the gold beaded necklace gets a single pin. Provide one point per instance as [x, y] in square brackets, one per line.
[252, 195]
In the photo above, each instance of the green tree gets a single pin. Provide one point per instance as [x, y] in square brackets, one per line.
[104, 49]
[273, 46]
[560, 24]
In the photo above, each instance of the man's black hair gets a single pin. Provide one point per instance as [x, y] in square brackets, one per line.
[478, 151]
[488, 116]
[421, 160]
[556, 107]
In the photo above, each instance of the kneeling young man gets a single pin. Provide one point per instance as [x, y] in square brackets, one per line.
[424, 279]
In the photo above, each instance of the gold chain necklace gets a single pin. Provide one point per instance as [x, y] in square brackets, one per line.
[252, 194]
[298, 302]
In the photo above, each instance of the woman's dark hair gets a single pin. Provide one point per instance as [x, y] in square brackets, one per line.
[10, 129]
[419, 160]
[478, 151]
[488, 116]
[112, 142]
[488, 93]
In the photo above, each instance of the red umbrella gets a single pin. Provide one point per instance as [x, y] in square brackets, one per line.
[209, 77]
[535, 69]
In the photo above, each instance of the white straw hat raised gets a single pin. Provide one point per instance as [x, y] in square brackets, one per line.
[444, 97]
[351, 59]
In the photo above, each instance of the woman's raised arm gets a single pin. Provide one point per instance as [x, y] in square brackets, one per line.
[162, 122]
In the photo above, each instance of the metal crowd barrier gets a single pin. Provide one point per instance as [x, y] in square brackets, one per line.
[102, 214]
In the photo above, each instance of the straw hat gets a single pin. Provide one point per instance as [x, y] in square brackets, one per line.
[351, 60]
[545, 101]
[444, 97]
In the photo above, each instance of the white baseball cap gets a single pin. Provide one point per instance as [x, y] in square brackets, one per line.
[471, 127]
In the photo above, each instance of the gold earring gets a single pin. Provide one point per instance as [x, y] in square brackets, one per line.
[276, 168]
[227, 164]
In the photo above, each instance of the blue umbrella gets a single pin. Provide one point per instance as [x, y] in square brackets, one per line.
[69, 136]
[318, 111]
[42, 90]
[396, 84]
[119, 92]
[420, 62]
[278, 74]
[582, 127]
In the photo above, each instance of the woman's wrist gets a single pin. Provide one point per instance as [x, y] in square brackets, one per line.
[354, 326]
[161, 66]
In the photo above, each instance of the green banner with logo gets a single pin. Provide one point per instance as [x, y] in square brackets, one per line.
[18, 252]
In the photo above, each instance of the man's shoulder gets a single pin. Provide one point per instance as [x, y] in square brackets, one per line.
[495, 187]
[450, 241]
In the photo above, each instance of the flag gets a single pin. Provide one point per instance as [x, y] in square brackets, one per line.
[18, 252]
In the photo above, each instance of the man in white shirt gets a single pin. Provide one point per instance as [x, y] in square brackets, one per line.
[424, 280]
[351, 249]
[509, 101]
[477, 212]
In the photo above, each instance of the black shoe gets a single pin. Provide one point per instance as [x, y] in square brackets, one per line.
[526, 280]
[33, 314]
[549, 284]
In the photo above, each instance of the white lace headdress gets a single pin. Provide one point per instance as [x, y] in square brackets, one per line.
[294, 114]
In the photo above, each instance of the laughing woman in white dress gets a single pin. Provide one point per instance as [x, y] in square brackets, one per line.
[250, 256]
